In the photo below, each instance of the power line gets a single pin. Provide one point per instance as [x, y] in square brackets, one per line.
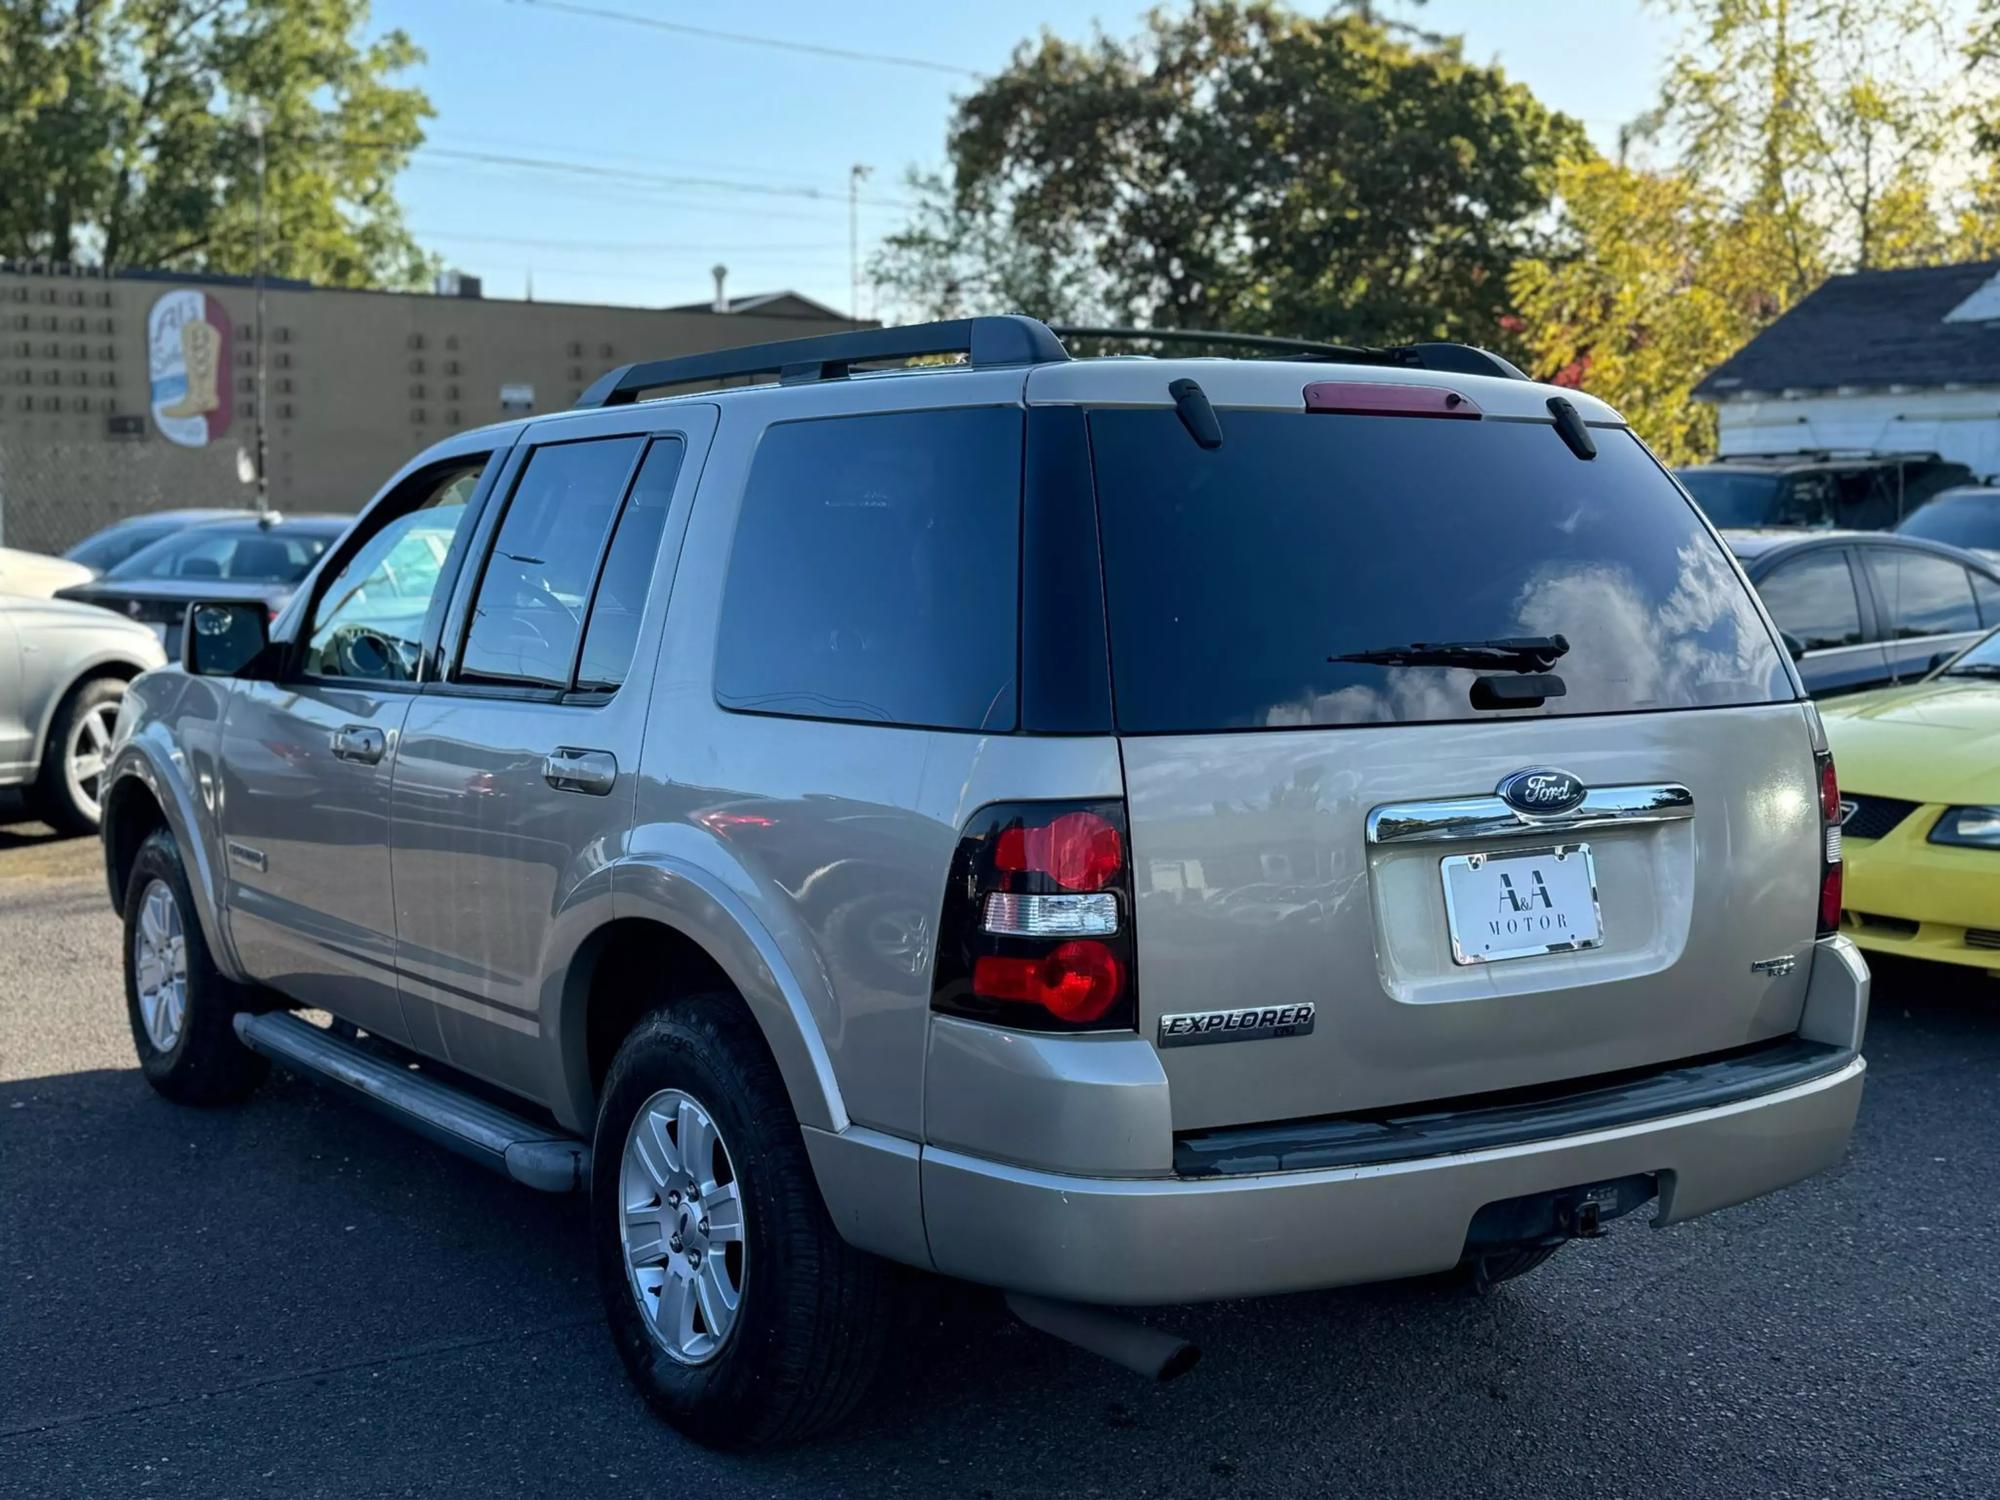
[814, 49]
[640, 193]
[657, 179]
[623, 247]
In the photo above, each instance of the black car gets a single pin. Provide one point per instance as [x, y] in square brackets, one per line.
[262, 559]
[1968, 517]
[1861, 609]
[105, 549]
[1819, 487]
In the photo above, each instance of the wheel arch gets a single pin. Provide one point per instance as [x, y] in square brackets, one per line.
[141, 799]
[676, 932]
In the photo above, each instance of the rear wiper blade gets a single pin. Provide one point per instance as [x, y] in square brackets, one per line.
[1520, 653]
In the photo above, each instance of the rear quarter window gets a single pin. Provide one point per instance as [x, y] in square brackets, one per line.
[875, 572]
[1233, 575]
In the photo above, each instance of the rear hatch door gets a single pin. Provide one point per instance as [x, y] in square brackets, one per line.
[1315, 803]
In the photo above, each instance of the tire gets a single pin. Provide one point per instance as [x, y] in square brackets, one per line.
[1485, 1272]
[189, 1051]
[66, 792]
[807, 1332]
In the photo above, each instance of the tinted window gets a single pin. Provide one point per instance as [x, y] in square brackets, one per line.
[1961, 520]
[628, 571]
[108, 549]
[1922, 595]
[1812, 598]
[875, 572]
[1234, 575]
[529, 609]
[241, 554]
[1732, 498]
[1988, 593]
[369, 622]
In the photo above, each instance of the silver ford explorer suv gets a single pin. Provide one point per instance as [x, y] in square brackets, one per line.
[1120, 831]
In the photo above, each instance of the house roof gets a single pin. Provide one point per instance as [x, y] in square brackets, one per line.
[769, 305]
[1933, 326]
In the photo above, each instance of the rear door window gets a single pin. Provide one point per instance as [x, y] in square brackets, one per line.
[875, 574]
[1921, 594]
[1813, 600]
[620, 597]
[1235, 577]
[529, 610]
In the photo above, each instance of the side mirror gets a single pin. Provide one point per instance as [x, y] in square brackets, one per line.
[1793, 645]
[221, 638]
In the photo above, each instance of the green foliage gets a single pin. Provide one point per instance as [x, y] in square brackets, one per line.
[124, 126]
[1240, 166]
[1661, 282]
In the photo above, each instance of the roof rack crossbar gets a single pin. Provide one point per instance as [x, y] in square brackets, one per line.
[1456, 359]
[986, 343]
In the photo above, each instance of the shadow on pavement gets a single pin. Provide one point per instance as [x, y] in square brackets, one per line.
[295, 1297]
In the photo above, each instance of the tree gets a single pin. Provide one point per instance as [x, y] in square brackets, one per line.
[1239, 166]
[1832, 118]
[1658, 282]
[125, 128]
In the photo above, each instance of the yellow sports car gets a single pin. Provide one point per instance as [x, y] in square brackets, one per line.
[1919, 769]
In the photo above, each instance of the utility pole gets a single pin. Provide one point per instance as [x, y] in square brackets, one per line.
[258, 118]
[855, 178]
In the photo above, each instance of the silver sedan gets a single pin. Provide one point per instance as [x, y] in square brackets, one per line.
[63, 671]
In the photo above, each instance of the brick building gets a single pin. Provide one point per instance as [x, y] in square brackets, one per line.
[137, 390]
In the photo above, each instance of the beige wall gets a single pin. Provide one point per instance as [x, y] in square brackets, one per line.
[358, 382]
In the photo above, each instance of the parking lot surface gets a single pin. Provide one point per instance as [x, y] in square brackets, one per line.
[296, 1298]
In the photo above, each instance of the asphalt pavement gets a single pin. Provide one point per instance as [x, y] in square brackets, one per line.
[295, 1298]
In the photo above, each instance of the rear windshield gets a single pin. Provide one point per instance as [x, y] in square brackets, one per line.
[241, 554]
[1733, 499]
[1962, 520]
[1232, 575]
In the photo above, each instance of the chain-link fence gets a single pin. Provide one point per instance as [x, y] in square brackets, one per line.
[55, 492]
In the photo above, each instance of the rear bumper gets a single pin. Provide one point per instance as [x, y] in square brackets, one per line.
[1164, 1238]
[1143, 1241]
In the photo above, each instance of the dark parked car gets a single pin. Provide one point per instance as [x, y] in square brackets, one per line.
[1864, 608]
[1968, 517]
[257, 559]
[104, 550]
[1863, 491]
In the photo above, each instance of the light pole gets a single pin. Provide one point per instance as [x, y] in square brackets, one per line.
[855, 178]
[257, 117]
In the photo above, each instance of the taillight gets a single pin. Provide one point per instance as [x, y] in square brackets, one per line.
[1036, 931]
[1830, 864]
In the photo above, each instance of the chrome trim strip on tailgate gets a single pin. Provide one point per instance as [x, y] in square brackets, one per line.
[1451, 820]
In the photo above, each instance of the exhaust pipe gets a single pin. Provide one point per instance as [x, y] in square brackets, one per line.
[1145, 1351]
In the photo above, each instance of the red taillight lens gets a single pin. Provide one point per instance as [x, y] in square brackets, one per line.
[1079, 851]
[1078, 982]
[1830, 862]
[1036, 931]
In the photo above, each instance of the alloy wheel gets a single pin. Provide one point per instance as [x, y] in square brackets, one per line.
[681, 1226]
[159, 965]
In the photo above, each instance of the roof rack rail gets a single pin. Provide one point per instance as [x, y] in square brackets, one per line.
[1825, 455]
[1455, 359]
[986, 342]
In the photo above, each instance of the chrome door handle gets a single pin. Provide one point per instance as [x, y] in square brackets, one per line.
[359, 742]
[592, 772]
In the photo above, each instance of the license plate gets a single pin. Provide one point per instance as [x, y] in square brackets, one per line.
[1521, 905]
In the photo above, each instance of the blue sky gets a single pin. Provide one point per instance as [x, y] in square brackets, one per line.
[680, 151]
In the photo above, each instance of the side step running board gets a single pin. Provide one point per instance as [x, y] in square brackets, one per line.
[536, 1156]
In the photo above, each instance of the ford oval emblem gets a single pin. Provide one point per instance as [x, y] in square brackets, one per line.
[1541, 792]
